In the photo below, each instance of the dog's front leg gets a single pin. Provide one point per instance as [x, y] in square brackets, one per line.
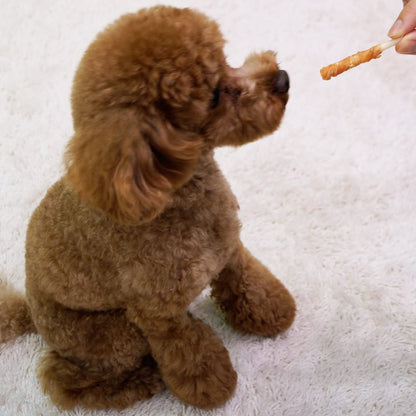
[253, 300]
[193, 362]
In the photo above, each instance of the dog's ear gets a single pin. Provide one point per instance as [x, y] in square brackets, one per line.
[128, 166]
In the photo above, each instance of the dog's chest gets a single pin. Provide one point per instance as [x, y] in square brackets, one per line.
[204, 223]
[174, 257]
[191, 242]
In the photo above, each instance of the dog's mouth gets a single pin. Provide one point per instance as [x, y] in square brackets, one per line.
[284, 98]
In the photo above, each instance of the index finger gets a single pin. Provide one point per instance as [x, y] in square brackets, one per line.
[406, 21]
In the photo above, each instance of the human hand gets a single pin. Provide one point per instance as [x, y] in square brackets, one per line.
[405, 26]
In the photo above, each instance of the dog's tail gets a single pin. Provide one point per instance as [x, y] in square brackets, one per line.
[15, 319]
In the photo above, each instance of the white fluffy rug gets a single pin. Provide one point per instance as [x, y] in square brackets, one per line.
[328, 202]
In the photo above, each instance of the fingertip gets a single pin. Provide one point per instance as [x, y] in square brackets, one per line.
[396, 31]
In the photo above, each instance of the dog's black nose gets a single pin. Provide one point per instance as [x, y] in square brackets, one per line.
[282, 82]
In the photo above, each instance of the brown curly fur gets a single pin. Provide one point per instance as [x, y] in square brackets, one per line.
[143, 219]
[15, 317]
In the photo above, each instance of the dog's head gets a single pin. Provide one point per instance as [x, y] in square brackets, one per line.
[151, 93]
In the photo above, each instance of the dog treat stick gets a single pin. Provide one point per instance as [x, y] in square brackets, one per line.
[354, 60]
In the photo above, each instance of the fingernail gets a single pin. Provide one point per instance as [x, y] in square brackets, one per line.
[396, 30]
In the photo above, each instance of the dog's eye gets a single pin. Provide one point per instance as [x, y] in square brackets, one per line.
[216, 95]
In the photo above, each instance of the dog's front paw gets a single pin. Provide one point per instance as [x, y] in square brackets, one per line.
[253, 300]
[263, 310]
[194, 364]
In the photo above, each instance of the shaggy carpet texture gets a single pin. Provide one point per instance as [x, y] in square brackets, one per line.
[328, 202]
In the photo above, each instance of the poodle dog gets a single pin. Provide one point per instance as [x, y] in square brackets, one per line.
[143, 220]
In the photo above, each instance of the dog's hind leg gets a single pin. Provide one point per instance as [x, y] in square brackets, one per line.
[97, 359]
[70, 383]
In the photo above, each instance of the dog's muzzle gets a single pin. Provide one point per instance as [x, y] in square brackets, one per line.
[282, 83]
